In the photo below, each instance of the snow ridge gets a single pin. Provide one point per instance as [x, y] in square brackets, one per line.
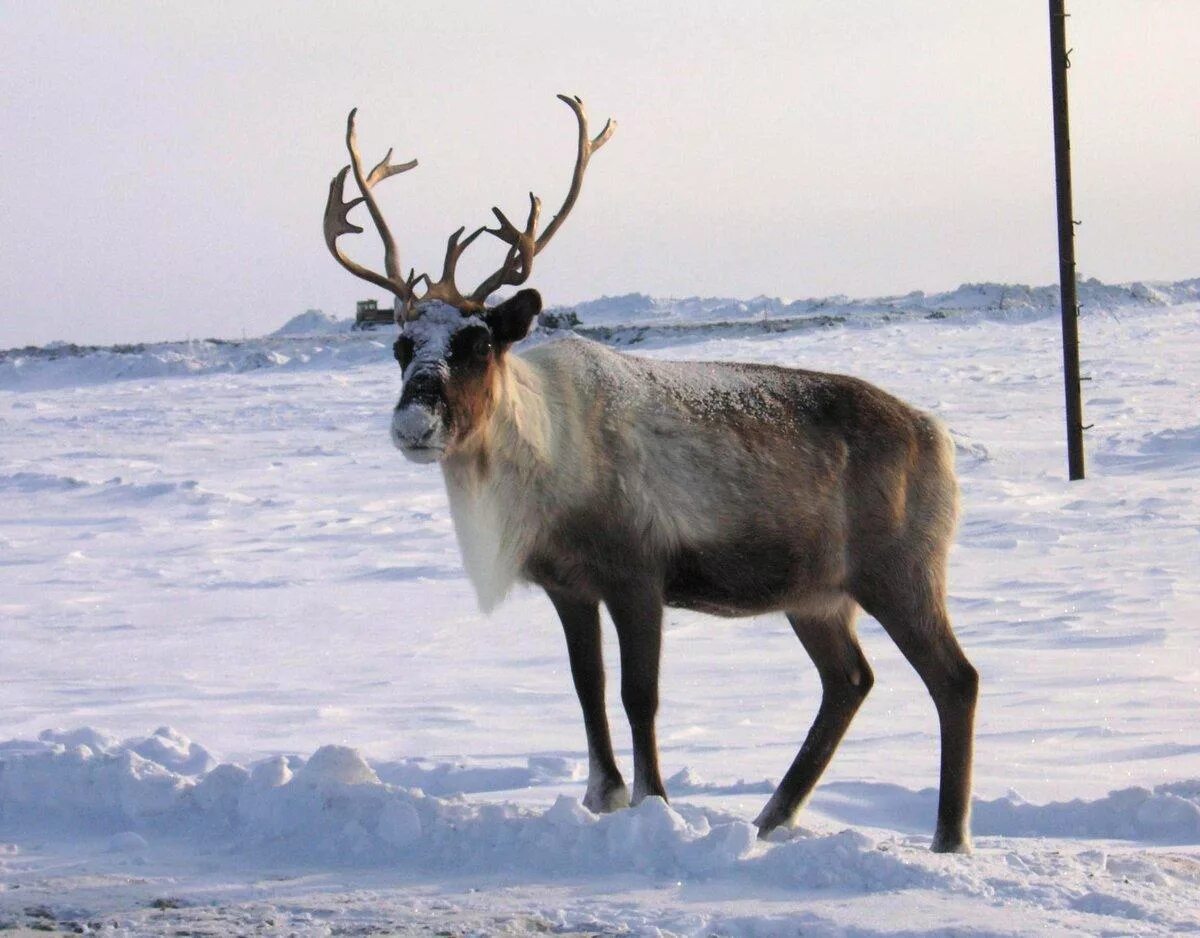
[335, 805]
[315, 341]
[640, 309]
[335, 811]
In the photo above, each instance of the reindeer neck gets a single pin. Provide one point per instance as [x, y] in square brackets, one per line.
[495, 483]
[515, 437]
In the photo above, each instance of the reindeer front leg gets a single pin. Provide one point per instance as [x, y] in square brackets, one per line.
[606, 789]
[637, 614]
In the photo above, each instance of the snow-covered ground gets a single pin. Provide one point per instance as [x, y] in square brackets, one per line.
[219, 538]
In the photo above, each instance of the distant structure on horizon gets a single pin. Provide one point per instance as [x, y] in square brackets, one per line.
[368, 315]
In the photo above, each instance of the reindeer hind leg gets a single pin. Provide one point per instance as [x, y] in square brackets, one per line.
[846, 679]
[910, 605]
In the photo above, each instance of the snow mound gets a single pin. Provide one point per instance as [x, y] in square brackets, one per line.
[446, 778]
[335, 807]
[688, 782]
[1166, 814]
[314, 322]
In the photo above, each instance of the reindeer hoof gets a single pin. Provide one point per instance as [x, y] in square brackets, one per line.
[951, 844]
[771, 817]
[606, 797]
[775, 833]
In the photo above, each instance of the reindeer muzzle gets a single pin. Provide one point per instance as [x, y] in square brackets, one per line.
[418, 432]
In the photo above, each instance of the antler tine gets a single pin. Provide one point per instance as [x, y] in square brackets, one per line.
[587, 146]
[525, 245]
[382, 170]
[337, 221]
[445, 289]
[518, 262]
[454, 251]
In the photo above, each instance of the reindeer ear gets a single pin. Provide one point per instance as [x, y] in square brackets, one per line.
[510, 321]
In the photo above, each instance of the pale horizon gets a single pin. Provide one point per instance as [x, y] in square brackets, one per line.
[166, 168]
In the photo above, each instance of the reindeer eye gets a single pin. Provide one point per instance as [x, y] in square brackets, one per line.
[403, 350]
[481, 347]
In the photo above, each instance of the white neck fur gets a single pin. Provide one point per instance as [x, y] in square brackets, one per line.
[496, 510]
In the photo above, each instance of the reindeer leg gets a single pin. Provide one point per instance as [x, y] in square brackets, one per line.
[845, 681]
[637, 614]
[606, 789]
[913, 613]
[930, 646]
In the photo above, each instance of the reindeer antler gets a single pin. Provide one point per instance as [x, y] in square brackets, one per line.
[523, 244]
[337, 212]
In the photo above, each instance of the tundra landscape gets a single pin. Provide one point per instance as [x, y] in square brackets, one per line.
[247, 687]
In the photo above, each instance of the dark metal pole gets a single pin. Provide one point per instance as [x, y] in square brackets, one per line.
[1066, 238]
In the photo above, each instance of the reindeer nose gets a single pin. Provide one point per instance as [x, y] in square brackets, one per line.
[422, 388]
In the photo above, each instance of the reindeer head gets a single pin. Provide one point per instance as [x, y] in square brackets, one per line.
[451, 345]
[450, 364]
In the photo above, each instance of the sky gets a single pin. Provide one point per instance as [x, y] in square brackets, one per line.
[164, 167]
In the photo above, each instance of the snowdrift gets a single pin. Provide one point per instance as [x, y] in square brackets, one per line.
[315, 322]
[337, 807]
[67, 365]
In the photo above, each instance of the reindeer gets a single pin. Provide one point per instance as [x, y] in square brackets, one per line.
[733, 489]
